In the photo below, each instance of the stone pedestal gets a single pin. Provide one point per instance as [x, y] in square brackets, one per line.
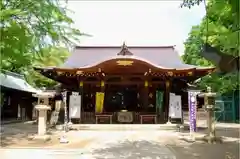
[42, 107]
[42, 122]
[42, 118]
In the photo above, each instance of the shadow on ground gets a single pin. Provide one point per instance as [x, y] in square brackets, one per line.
[196, 150]
[226, 132]
[170, 150]
[19, 135]
[133, 150]
[228, 149]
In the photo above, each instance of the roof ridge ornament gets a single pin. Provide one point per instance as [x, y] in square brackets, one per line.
[124, 50]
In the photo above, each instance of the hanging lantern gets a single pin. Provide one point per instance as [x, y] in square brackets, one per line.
[170, 73]
[81, 83]
[190, 73]
[79, 72]
[102, 83]
[146, 84]
[167, 83]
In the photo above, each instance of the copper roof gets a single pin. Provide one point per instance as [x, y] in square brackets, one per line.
[160, 56]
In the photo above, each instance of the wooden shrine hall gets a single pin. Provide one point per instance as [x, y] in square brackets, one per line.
[120, 84]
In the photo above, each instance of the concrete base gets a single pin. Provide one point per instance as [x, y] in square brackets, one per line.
[188, 138]
[41, 138]
[181, 128]
[210, 139]
[168, 123]
[63, 140]
[203, 138]
[59, 127]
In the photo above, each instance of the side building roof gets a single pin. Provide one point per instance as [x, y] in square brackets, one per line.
[15, 81]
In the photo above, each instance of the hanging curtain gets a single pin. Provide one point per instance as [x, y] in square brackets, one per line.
[99, 102]
[159, 102]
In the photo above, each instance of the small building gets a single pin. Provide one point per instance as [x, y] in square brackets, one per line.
[16, 97]
[130, 78]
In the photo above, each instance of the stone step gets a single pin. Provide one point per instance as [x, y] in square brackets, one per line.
[124, 127]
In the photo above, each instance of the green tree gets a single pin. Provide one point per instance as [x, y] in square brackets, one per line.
[51, 56]
[222, 31]
[29, 26]
[193, 46]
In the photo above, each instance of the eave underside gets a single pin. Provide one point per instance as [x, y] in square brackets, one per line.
[122, 75]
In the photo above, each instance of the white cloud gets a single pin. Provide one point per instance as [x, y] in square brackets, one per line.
[137, 23]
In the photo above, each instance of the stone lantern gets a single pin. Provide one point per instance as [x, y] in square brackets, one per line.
[209, 105]
[42, 107]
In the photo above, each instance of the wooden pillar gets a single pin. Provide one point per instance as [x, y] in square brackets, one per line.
[167, 95]
[102, 86]
[145, 96]
[103, 91]
[81, 93]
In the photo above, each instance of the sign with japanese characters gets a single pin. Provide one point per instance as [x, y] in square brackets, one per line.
[192, 105]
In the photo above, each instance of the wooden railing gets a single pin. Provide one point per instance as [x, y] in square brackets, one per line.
[88, 117]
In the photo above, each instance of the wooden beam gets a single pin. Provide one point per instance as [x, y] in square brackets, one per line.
[124, 82]
[167, 96]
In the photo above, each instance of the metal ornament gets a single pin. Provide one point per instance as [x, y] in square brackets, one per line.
[150, 95]
[124, 62]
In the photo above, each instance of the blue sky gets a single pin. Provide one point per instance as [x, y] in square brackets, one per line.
[150, 23]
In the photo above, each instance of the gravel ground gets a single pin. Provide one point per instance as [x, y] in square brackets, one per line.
[151, 144]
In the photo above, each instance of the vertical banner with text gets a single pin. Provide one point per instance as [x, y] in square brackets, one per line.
[99, 102]
[159, 102]
[192, 105]
[75, 106]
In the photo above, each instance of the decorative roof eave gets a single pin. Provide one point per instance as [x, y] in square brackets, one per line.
[96, 68]
[192, 74]
[70, 72]
[184, 73]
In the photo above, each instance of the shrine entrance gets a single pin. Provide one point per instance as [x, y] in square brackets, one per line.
[121, 98]
[125, 84]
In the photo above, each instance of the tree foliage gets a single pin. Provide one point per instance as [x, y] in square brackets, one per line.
[221, 27]
[50, 56]
[29, 28]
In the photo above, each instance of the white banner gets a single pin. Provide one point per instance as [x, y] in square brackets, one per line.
[171, 104]
[175, 106]
[75, 105]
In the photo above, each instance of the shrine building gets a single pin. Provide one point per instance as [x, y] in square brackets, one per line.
[135, 80]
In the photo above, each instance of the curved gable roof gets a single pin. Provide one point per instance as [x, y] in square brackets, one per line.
[161, 56]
